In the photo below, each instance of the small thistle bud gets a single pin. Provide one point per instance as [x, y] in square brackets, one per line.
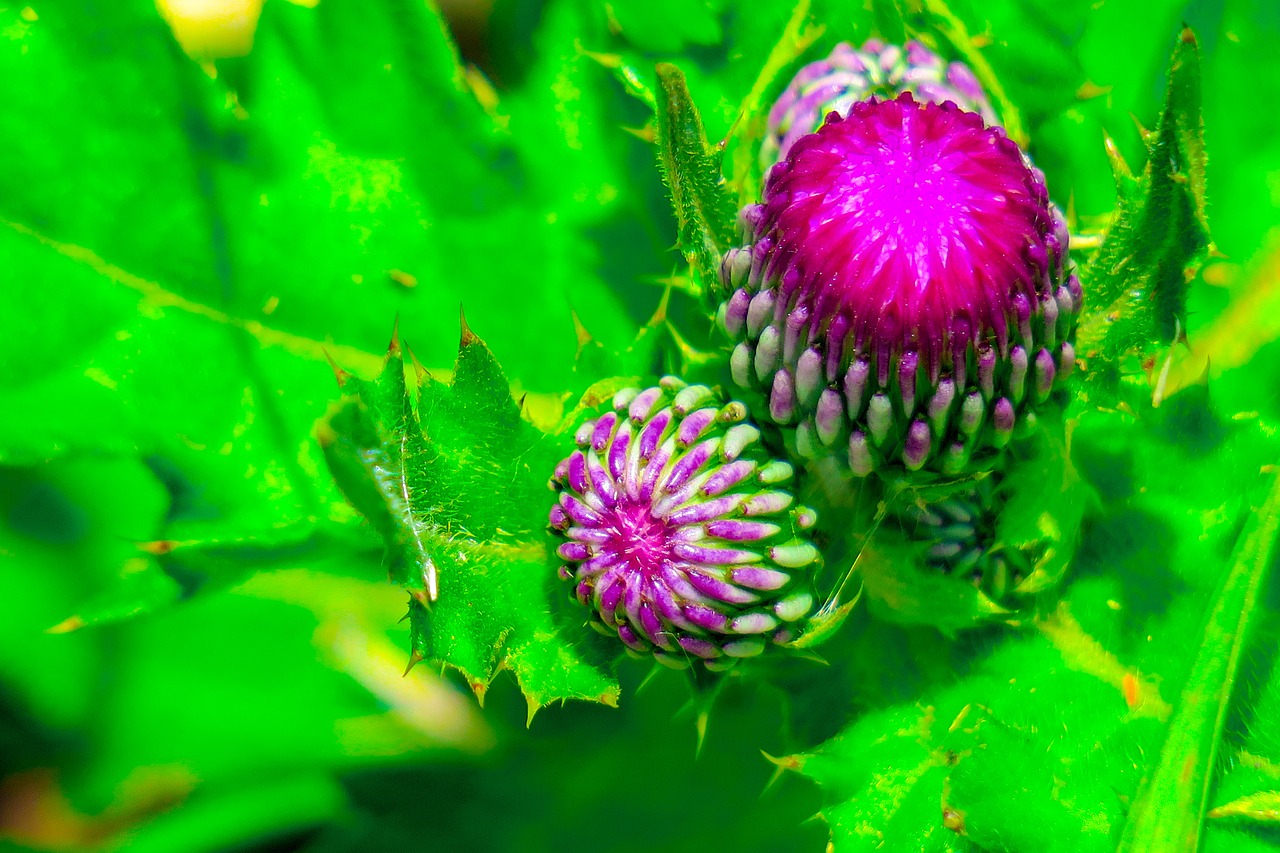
[958, 533]
[850, 75]
[678, 530]
[991, 548]
[909, 300]
[940, 562]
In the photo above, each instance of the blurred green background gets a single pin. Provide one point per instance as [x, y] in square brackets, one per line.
[197, 649]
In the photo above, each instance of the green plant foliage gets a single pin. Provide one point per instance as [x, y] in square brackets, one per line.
[692, 171]
[1170, 808]
[199, 646]
[455, 482]
[1058, 714]
[1159, 237]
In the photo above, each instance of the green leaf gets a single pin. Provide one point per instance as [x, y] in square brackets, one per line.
[691, 169]
[69, 557]
[1262, 807]
[1136, 284]
[1168, 814]
[112, 357]
[667, 25]
[294, 201]
[1063, 710]
[455, 482]
[888, 784]
[1081, 817]
[333, 152]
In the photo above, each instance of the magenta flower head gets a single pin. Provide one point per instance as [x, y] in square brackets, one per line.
[905, 299]
[850, 75]
[679, 532]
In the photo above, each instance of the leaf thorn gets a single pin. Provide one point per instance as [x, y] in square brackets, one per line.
[415, 657]
[468, 337]
[580, 330]
[420, 372]
[393, 348]
[66, 626]
[338, 373]
[158, 548]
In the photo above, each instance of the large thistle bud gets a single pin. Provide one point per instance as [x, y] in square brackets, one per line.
[849, 75]
[904, 299]
[679, 532]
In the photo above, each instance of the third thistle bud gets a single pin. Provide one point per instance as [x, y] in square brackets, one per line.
[849, 75]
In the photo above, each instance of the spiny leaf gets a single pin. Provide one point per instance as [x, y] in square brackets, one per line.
[885, 787]
[455, 482]
[1136, 285]
[1030, 772]
[1062, 714]
[1168, 814]
[289, 219]
[691, 169]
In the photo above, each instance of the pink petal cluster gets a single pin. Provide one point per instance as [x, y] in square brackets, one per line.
[905, 297]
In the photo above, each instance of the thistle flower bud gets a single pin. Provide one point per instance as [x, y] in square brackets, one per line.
[904, 298]
[993, 547]
[849, 75]
[941, 562]
[679, 532]
[957, 537]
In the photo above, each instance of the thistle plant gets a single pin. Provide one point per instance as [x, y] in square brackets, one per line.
[189, 506]
[904, 299]
[850, 75]
[679, 532]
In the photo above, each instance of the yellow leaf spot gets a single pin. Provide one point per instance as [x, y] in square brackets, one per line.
[98, 375]
[355, 183]
[402, 278]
